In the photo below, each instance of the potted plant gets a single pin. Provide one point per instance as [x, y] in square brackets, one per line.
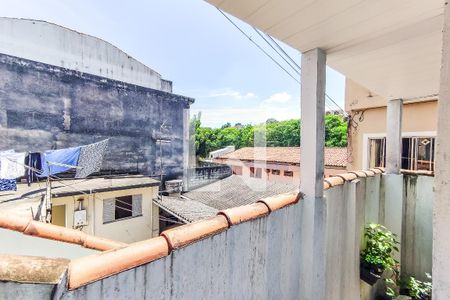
[380, 244]
[418, 290]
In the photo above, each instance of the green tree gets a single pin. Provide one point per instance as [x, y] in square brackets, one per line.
[277, 134]
[335, 131]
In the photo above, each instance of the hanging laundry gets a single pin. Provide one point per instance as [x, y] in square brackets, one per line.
[51, 160]
[12, 165]
[33, 162]
[91, 158]
[8, 185]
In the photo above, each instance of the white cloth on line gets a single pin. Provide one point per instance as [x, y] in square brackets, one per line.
[12, 165]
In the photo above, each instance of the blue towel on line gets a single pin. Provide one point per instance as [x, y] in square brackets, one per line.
[67, 156]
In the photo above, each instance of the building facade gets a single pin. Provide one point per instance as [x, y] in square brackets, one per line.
[367, 130]
[279, 164]
[119, 209]
[60, 88]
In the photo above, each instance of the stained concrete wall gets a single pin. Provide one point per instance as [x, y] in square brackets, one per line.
[45, 107]
[417, 231]
[262, 259]
[29, 291]
[62, 47]
[201, 176]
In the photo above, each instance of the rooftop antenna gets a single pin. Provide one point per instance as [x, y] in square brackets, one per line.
[161, 140]
[46, 209]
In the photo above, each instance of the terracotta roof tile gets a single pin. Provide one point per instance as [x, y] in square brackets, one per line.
[57, 233]
[32, 269]
[98, 266]
[240, 214]
[347, 176]
[336, 157]
[187, 234]
[360, 174]
[280, 201]
[334, 181]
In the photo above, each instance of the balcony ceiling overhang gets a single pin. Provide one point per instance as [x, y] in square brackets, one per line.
[391, 47]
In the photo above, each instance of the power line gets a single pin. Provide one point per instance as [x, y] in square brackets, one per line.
[278, 64]
[259, 47]
[282, 50]
[293, 68]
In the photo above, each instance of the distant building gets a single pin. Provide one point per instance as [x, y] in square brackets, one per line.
[220, 152]
[117, 208]
[281, 164]
[207, 201]
[367, 131]
[60, 88]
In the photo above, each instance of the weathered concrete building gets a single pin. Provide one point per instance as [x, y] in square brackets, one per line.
[60, 88]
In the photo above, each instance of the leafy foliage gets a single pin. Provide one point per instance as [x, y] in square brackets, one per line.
[272, 133]
[419, 289]
[380, 246]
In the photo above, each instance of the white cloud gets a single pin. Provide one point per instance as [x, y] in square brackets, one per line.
[279, 98]
[230, 94]
[216, 117]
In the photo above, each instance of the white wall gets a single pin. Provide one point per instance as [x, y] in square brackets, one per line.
[126, 230]
[16, 243]
[59, 46]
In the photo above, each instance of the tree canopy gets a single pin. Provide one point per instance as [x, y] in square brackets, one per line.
[277, 134]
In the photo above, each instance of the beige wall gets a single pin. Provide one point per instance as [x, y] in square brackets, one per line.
[418, 118]
[295, 179]
[126, 230]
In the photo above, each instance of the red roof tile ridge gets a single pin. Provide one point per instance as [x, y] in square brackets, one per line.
[241, 214]
[184, 235]
[282, 200]
[340, 179]
[94, 267]
[57, 233]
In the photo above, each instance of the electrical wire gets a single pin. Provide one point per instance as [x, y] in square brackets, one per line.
[282, 57]
[257, 45]
[331, 105]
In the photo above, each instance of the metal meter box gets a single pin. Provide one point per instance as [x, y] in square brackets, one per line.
[79, 218]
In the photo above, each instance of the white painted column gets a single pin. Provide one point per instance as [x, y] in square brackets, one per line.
[312, 122]
[441, 205]
[313, 207]
[393, 179]
[394, 136]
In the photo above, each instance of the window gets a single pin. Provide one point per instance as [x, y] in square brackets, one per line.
[252, 172]
[289, 173]
[258, 173]
[377, 156]
[275, 172]
[417, 153]
[237, 170]
[122, 208]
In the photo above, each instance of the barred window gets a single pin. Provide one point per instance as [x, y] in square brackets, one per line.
[122, 208]
[417, 153]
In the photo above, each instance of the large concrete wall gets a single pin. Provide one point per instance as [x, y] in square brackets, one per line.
[62, 47]
[262, 258]
[46, 107]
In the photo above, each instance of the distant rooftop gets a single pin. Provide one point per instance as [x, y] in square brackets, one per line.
[27, 197]
[334, 157]
[227, 193]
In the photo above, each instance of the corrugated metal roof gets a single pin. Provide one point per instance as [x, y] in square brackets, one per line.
[230, 192]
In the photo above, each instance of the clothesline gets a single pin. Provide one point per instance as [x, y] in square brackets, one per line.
[85, 160]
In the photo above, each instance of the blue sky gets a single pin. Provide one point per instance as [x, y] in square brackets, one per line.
[192, 44]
